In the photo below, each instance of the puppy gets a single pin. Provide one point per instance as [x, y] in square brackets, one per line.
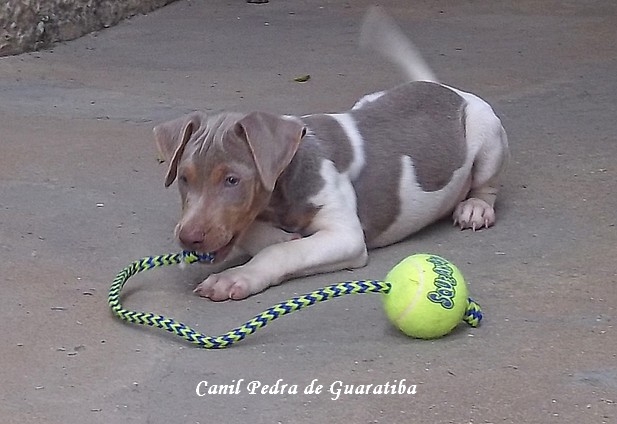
[310, 194]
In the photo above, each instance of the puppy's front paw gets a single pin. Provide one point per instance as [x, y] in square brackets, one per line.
[229, 284]
[474, 213]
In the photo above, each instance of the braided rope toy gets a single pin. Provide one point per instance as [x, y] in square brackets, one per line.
[472, 315]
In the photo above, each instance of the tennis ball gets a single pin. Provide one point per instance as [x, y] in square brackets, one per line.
[428, 297]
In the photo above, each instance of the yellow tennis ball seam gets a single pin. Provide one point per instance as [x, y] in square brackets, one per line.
[417, 297]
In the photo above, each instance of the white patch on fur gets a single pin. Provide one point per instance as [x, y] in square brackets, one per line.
[348, 125]
[337, 200]
[367, 99]
[338, 220]
[487, 143]
[419, 208]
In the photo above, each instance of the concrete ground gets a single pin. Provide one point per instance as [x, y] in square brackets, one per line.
[81, 196]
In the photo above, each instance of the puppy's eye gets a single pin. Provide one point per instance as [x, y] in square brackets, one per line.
[232, 181]
[182, 179]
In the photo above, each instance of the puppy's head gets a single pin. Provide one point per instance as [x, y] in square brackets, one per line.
[226, 166]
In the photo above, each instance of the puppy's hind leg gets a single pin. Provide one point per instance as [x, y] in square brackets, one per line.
[477, 210]
[485, 131]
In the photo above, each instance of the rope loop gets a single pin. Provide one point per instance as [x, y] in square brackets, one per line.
[473, 314]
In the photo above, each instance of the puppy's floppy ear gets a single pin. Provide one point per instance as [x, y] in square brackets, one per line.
[171, 138]
[273, 141]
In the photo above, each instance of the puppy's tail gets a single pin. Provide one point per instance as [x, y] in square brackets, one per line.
[380, 33]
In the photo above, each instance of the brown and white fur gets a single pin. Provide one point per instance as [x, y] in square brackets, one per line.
[310, 194]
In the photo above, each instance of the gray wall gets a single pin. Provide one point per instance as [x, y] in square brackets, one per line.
[27, 25]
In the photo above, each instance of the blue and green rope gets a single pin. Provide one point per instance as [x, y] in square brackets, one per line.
[473, 314]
